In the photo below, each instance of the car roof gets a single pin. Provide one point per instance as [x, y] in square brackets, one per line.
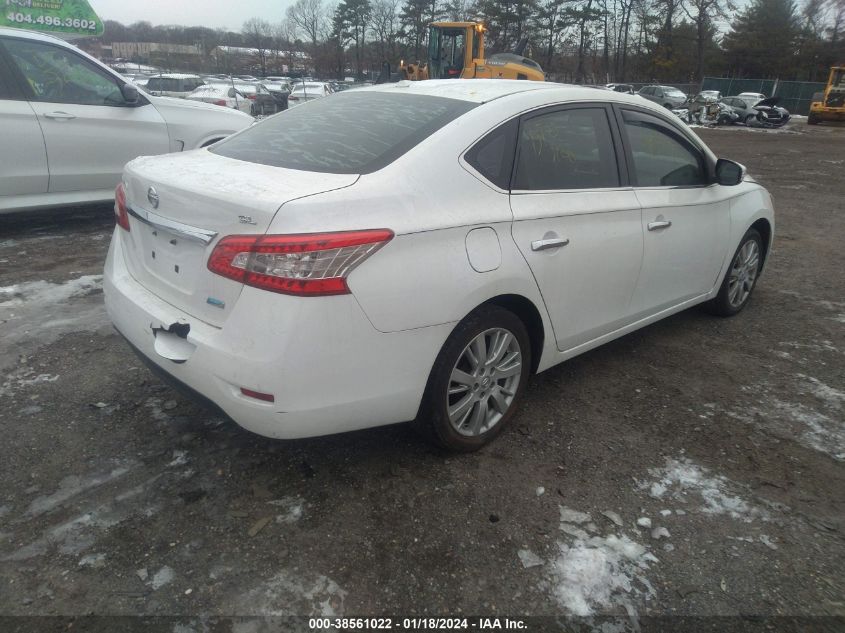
[485, 90]
[31, 35]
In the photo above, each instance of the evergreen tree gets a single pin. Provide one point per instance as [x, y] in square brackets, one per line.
[763, 40]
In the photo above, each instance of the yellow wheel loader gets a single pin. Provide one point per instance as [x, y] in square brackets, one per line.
[456, 51]
[830, 104]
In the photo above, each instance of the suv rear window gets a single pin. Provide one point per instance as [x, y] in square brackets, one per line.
[346, 133]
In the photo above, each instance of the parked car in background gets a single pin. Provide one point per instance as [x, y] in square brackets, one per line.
[139, 80]
[770, 114]
[222, 95]
[751, 98]
[173, 85]
[743, 107]
[667, 96]
[308, 91]
[267, 102]
[277, 86]
[624, 88]
[364, 303]
[70, 123]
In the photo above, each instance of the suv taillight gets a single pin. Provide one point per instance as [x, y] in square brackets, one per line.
[121, 211]
[309, 265]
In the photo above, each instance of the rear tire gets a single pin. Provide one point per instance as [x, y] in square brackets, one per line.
[812, 120]
[741, 277]
[468, 404]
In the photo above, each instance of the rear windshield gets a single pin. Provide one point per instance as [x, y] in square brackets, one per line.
[346, 133]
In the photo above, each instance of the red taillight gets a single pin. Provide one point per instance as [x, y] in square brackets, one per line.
[252, 97]
[308, 265]
[121, 211]
[220, 102]
[293, 98]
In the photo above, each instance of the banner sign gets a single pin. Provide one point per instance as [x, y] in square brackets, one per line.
[70, 17]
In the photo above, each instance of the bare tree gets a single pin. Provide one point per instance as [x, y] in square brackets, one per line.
[309, 16]
[257, 33]
[702, 13]
[385, 28]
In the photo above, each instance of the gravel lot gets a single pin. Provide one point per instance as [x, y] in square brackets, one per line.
[696, 467]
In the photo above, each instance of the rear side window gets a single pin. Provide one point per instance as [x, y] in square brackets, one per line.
[348, 133]
[662, 157]
[566, 149]
[492, 156]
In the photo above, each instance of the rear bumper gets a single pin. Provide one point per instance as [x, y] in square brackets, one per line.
[327, 367]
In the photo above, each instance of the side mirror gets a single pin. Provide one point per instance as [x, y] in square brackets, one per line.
[232, 92]
[130, 93]
[729, 173]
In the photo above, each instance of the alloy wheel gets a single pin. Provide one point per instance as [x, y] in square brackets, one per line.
[484, 382]
[743, 273]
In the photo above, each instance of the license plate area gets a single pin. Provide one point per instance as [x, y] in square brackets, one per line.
[172, 258]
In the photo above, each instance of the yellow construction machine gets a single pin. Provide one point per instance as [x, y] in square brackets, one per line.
[830, 104]
[456, 51]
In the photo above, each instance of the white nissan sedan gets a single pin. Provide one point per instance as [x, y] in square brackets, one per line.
[416, 251]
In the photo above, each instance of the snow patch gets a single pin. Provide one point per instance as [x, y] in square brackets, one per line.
[70, 487]
[162, 577]
[290, 593]
[593, 573]
[600, 574]
[529, 559]
[682, 479]
[832, 397]
[39, 312]
[292, 509]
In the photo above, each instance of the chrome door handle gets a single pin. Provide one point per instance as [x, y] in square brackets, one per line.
[542, 245]
[59, 115]
[659, 224]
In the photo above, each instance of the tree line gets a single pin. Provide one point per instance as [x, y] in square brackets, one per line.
[582, 41]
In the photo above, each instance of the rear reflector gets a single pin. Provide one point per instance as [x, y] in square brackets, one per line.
[308, 265]
[121, 211]
[266, 397]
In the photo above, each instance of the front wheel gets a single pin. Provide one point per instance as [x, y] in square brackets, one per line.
[477, 380]
[741, 277]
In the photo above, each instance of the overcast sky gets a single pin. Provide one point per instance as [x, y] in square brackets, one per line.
[229, 14]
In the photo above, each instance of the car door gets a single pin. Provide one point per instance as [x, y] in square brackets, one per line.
[576, 221]
[23, 161]
[89, 130]
[685, 216]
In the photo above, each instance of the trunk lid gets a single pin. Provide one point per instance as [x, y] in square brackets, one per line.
[182, 204]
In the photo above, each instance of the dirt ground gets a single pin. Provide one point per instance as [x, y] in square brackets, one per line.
[696, 467]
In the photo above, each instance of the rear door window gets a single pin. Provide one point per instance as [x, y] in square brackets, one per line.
[348, 133]
[566, 149]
